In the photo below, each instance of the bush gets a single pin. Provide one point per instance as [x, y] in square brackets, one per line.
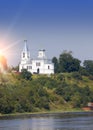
[83, 71]
[91, 77]
[60, 77]
[26, 75]
[77, 75]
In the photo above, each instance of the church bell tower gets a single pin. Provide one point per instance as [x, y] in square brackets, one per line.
[25, 55]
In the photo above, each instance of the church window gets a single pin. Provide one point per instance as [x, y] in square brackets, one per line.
[23, 55]
[37, 63]
[29, 67]
[48, 67]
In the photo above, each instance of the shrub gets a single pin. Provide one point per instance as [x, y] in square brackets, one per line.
[77, 75]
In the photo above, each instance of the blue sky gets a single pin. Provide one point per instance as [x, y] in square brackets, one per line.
[54, 25]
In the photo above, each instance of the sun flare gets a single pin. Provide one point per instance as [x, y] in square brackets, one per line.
[4, 53]
[1, 53]
[3, 63]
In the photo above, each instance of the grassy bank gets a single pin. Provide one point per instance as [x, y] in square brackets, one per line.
[66, 92]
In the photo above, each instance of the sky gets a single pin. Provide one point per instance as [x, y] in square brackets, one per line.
[53, 25]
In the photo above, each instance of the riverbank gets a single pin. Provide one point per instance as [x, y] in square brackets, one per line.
[41, 114]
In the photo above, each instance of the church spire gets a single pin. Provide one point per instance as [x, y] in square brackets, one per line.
[25, 55]
[25, 49]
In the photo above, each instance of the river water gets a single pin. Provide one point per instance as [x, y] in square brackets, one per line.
[58, 121]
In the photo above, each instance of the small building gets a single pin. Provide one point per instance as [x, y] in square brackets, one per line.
[40, 65]
[89, 107]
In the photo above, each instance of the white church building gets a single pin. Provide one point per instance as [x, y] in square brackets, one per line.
[40, 65]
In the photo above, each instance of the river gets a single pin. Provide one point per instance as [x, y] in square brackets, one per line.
[54, 121]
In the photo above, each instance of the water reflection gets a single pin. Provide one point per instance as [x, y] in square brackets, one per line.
[50, 122]
[41, 123]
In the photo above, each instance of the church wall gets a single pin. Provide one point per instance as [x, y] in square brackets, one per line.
[33, 68]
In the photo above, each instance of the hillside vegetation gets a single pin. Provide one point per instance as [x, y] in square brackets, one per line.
[58, 92]
[70, 88]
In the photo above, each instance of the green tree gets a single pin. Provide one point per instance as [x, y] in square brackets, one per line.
[88, 64]
[67, 63]
[83, 71]
[56, 65]
[26, 75]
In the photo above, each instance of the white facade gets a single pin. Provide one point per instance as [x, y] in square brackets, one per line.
[41, 65]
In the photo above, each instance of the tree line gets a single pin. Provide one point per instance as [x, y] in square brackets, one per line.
[67, 63]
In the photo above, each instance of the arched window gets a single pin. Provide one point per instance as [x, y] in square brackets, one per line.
[48, 67]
